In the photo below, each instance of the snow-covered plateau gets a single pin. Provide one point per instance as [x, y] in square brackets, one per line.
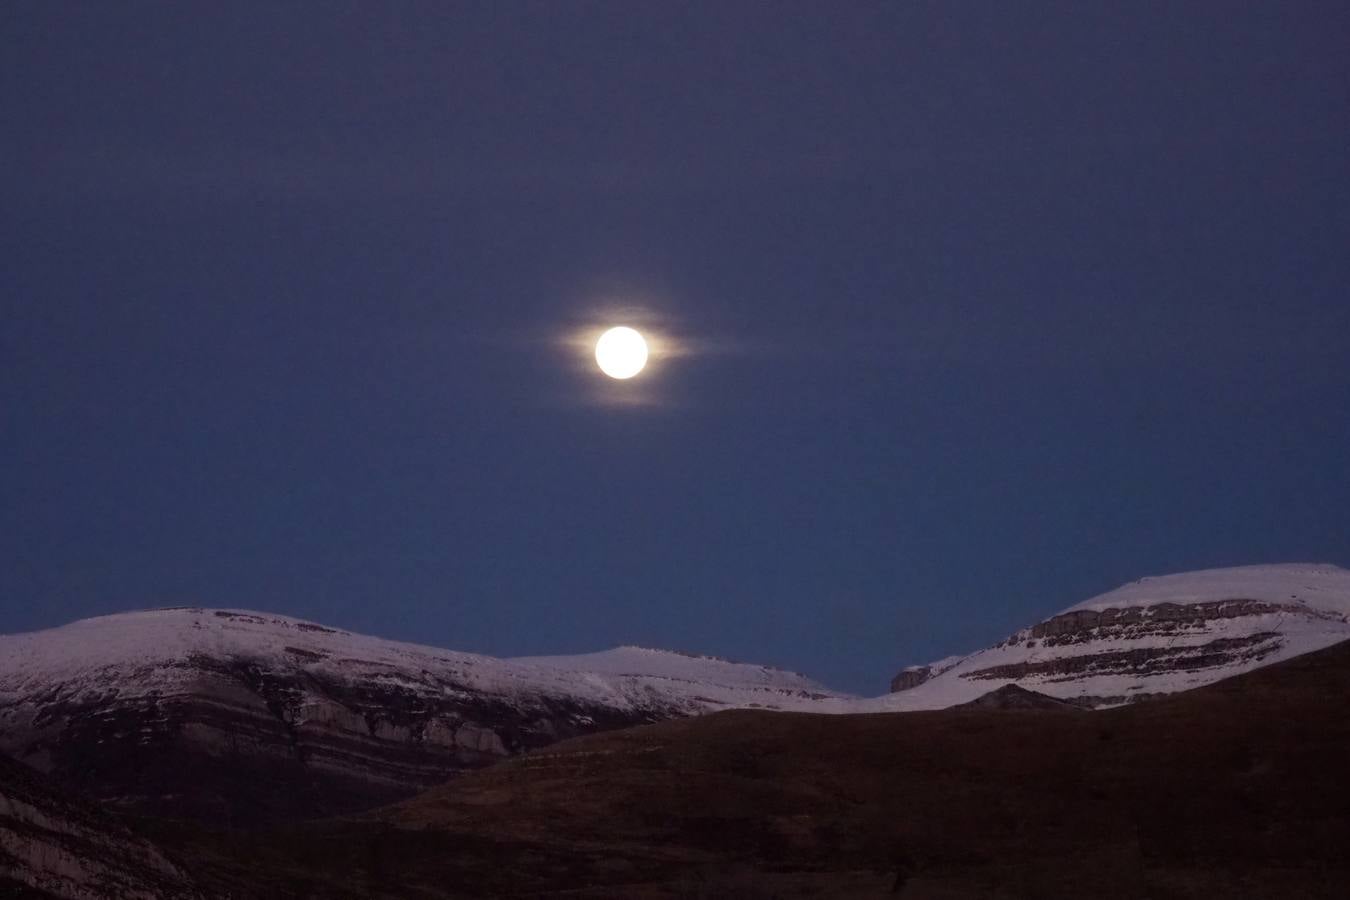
[1153, 636]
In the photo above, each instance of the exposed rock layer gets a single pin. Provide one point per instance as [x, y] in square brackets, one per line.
[236, 717]
[1151, 637]
[52, 846]
[242, 744]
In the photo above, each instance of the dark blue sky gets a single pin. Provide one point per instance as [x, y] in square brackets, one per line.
[991, 307]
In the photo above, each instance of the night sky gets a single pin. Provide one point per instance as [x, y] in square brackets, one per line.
[980, 309]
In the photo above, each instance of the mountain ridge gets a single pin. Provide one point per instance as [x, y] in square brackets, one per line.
[242, 716]
[225, 714]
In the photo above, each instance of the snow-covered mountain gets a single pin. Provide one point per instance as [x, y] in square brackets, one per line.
[1153, 636]
[227, 712]
[151, 647]
[238, 716]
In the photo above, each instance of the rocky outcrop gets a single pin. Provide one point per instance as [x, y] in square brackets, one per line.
[911, 677]
[1010, 696]
[52, 846]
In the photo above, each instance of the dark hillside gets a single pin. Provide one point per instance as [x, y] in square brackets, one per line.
[55, 845]
[1234, 790]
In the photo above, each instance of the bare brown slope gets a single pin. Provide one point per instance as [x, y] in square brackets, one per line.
[1239, 789]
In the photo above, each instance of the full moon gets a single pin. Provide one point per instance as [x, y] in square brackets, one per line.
[621, 352]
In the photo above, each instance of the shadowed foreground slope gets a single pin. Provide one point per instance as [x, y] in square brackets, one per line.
[55, 845]
[1239, 789]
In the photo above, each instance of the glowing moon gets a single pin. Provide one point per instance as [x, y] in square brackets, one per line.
[621, 352]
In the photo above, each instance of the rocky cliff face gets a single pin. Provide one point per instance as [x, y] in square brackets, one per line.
[1154, 636]
[910, 677]
[237, 717]
[54, 847]
[913, 676]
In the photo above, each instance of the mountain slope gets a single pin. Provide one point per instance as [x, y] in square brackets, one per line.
[1238, 789]
[52, 846]
[1154, 636]
[238, 716]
